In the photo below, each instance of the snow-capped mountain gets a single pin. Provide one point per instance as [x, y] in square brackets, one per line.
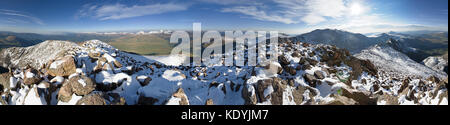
[353, 42]
[392, 61]
[438, 63]
[95, 73]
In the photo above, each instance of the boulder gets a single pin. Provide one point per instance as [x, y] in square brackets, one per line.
[405, 84]
[143, 80]
[65, 92]
[94, 55]
[249, 97]
[63, 66]
[209, 102]
[298, 94]
[290, 70]
[31, 76]
[117, 64]
[278, 87]
[82, 85]
[340, 100]
[295, 54]
[319, 74]
[115, 99]
[283, 60]
[146, 100]
[4, 80]
[310, 79]
[180, 94]
[433, 79]
[388, 99]
[274, 68]
[92, 99]
[361, 98]
[261, 86]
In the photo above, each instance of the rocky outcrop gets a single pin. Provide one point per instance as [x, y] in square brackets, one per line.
[63, 66]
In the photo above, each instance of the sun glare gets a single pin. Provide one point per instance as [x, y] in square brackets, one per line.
[356, 9]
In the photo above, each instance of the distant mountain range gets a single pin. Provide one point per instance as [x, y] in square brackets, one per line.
[354, 42]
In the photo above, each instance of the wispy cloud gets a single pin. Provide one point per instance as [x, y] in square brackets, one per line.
[17, 14]
[311, 12]
[259, 14]
[121, 11]
[233, 2]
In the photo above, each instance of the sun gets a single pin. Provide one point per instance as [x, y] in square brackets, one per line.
[356, 9]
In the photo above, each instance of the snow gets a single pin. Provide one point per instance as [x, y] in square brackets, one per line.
[173, 101]
[173, 75]
[171, 60]
[382, 102]
[30, 75]
[81, 81]
[268, 91]
[55, 64]
[42, 86]
[33, 98]
[12, 82]
[436, 63]
[72, 101]
[444, 101]
[57, 80]
[399, 63]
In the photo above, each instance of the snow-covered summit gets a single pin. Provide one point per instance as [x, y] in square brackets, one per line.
[95, 73]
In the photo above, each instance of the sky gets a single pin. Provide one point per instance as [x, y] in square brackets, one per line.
[287, 16]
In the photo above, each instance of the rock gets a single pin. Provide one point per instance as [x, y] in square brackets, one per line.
[442, 96]
[296, 54]
[441, 85]
[278, 87]
[65, 92]
[283, 60]
[117, 64]
[306, 67]
[360, 97]
[298, 94]
[209, 102]
[180, 94]
[405, 83]
[146, 100]
[433, 79]
[115, 99]
[310, 79]
[340, 100]
[144, 80]
[249, 97]
[92, 99]
[302, 61]
[290, 70]
[94, 55]
[291, 82]
[82, 85]
[261, 86]
[31, 76]
[274, 68]
[312, 61]
[389, 99]
[4, 80]
[319, 74]
[375, 87]
[64, 66]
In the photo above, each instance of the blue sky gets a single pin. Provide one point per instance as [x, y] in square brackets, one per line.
[289, 16]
